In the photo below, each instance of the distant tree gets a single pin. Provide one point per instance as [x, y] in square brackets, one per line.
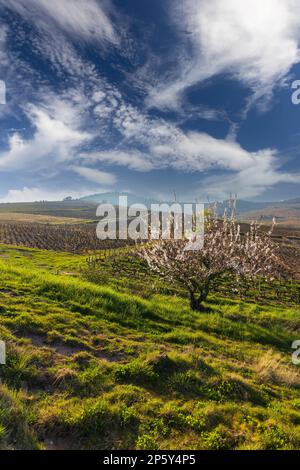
[226, 250]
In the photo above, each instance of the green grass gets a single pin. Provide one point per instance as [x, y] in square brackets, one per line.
[49, 261]
[126, 364]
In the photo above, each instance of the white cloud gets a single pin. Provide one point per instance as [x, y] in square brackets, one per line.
[256, 42]
[148, 144]
[248, 183]
[86, 19]
[132, 159]
[53, 139]
[95, 176]
[196, 151]
[166, 146]
[40, 194]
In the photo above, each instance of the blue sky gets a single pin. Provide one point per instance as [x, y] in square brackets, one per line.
[192, 96]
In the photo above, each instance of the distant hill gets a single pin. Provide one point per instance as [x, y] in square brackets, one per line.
[286, 213]
[247, 206]
[70, 209]
[242, 205]
[113, 198]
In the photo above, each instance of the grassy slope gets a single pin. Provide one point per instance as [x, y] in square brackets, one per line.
[101, 367]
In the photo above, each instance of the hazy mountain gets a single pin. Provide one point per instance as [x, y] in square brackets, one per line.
[242, 206]
[113, 198]
[286, 213]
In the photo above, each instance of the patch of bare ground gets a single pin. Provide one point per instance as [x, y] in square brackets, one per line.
[9, 293]
[57, 443]
[64, 273]
[108, 356]
[271, 368]
[69, 350]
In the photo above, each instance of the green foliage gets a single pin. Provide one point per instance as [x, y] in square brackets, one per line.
[125, 364]
[14, 422]
[137, 372]
[146, 442]
[218, 439]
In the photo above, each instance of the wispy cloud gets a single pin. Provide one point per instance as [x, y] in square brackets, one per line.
[56, 135]
[248, 183]
[85, 121]
[255, 42]
[167, 146]
[95, 176]
[87, 19]
[132, 159]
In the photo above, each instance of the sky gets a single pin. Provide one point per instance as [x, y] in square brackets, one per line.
[149, 96]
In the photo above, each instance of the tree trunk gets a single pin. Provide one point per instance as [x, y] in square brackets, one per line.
[196, 304]
[196, 301]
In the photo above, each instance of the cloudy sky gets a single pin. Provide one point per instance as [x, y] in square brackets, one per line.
[149, 97]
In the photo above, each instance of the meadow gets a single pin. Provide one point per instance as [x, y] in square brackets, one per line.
[113, 358]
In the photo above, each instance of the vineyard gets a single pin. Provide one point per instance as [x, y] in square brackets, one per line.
[74, 239]
[81, 238]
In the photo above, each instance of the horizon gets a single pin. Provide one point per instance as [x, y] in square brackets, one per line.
[88, 198]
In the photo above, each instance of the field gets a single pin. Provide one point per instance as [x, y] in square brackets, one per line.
[287, 214]
[125, 364]
[73, 238]
[101, 354]
[12, 218]
[70, 209]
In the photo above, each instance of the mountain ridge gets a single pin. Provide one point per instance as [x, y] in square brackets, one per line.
[243, 206]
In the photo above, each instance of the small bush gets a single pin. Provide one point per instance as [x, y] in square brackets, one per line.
[273, 437]
[185, 382]
[218, 439]
[146, 442]
[137, 372]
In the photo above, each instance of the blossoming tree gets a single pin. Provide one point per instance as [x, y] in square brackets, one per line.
[226, 250]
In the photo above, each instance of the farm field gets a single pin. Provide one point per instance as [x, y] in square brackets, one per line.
[62, 234]
[67, 237]
[125, 364]
[15, 217]
[70, 209]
